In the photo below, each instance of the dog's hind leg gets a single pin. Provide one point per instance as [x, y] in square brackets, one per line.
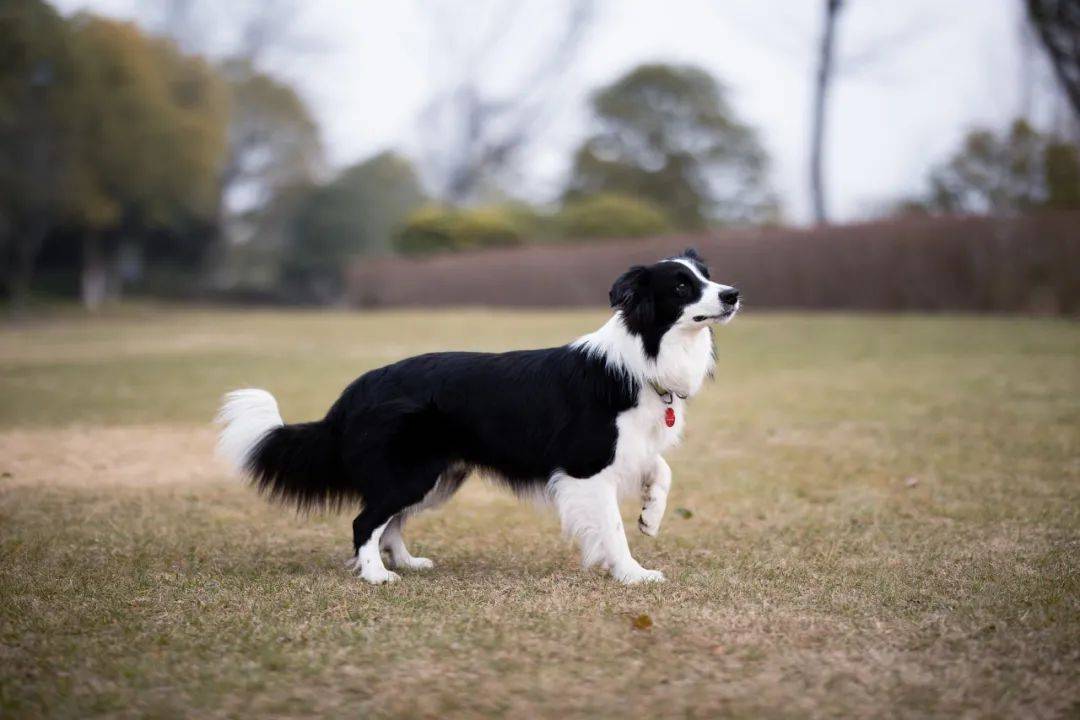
[389, 490]
[392, 541]
[394, 545]
[654, 494]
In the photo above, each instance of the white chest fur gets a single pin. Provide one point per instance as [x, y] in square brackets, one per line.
[644, 434]
[684, 361]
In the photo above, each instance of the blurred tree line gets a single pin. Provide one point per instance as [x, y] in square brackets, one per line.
[129, 164]
[111, 144]
[1003, 173]
[126, 163]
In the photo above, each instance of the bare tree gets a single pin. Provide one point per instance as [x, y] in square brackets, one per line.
[1057, 23]
[273, 140]
[256, 28]
[475, 133]
[821, 95]
[273, 145]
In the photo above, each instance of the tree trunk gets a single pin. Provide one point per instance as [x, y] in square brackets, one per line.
[22, 273]
[821, 92]
[26, 248]
[95, 272]
[1057, 25]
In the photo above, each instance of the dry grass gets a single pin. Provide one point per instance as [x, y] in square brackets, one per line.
[883, 521]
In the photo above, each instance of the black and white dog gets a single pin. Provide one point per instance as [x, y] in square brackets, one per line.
[578, 425]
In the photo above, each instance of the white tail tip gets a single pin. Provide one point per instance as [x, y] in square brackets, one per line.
[246, 416]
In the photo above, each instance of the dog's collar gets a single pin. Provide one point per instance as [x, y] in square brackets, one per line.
[667, 396]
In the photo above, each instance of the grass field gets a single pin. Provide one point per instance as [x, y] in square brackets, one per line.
[878, 516]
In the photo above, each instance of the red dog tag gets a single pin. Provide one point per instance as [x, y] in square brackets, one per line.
[669, 417]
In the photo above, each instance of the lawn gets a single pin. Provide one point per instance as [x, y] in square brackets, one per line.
[875, 515]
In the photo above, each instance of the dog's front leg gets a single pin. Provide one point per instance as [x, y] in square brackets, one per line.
[654, 493]
[589, 510]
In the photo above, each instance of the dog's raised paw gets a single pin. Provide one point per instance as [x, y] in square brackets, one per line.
[646, 528]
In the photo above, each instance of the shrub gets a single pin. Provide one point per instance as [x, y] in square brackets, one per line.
[610, 215]
[436, 228]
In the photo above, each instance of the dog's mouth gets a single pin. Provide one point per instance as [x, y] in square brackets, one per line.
[724, 315]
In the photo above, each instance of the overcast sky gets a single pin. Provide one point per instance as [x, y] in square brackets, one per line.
[913, 76]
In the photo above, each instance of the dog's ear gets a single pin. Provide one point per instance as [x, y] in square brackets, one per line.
[631, 295]
[627, 286]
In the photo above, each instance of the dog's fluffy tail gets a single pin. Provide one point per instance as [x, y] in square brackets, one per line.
[246, 417]
[295, 464]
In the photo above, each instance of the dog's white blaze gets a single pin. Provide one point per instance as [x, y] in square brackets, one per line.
[690, 264]
[245, 416]
[694, 269]
[709, 305]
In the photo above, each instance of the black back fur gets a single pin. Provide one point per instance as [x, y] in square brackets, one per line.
[393, 432]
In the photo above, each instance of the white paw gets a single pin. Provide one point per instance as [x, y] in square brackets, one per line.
[649, 526]
[379, 576]
[414, 563]
[633, 576]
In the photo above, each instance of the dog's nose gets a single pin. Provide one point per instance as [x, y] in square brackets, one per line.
[729, 296]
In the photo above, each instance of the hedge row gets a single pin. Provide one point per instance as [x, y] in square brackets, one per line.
[1027, 264]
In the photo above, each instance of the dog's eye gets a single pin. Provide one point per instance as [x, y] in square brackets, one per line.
[682, 289]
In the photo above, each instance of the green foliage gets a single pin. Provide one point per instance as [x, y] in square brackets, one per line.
[36, 92]
[533, 224]
[609, 215]
[668, 134]
[436, 228]
[110, 138]
[1061, 168]
[357, 214]
[151, 128]
[36, 119]
[106, 131]
[1002, 174]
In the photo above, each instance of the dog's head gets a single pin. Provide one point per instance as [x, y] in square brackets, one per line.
[675, 293]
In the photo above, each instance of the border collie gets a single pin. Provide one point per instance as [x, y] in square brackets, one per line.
[578, 425]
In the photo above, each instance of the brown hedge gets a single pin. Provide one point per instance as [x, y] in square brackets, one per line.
[1028, 264]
